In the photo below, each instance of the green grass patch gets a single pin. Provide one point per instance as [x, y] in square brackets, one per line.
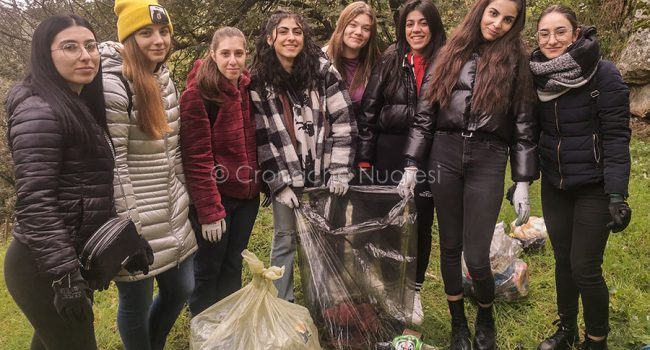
[521, 324]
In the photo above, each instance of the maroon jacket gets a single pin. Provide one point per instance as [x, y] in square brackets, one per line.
[221, 160]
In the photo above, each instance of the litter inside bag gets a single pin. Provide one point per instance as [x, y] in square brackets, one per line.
[254, 318]
[532, 234]
[510, 272]
[357, 263]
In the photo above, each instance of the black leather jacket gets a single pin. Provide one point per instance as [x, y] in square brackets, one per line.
[384, 113]
[518, 129]
[63, 194]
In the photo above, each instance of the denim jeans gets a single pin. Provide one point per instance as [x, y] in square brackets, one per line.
[576, 220]
[145, 322]
[33, 293]
[283, 247]
[468, 194]
[218, 266]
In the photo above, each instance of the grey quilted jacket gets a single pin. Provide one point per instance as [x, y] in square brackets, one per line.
[150, 171]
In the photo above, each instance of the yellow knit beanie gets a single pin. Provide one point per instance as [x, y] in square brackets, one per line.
[135, 14]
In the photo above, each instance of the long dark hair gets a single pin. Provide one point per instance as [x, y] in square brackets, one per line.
[502, 74]
[77, 113]
[438, 38]
[266, 68]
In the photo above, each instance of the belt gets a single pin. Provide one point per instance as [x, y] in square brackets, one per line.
[475, 135]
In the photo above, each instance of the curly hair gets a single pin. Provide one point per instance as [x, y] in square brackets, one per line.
[502, 77]
[266, 68]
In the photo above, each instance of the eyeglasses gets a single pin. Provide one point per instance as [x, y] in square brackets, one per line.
[561, 34]
[73, 50]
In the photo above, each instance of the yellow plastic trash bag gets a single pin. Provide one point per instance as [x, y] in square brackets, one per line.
[254, 318]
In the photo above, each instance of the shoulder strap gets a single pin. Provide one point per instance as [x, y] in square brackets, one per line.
[594, 93]
[129, 94]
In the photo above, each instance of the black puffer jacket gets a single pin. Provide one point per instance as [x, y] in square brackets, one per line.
[61, 196]
[585, 139]
[518, 129]
[384, 113]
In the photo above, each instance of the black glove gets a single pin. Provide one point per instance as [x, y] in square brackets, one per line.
[72, 298]
[620, 212]
[141, 259]
[98, 285]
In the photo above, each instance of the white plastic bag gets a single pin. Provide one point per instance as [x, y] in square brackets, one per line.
[254, 318]
[532, 234]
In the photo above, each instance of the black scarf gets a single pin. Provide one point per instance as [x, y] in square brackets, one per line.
[570, 70]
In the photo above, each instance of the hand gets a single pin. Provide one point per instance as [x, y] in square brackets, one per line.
[620, 211]
[407, 183]
[338, 184]
[212, 232]
[72, 298]
[141, 259]
[288, 198]
[518, 197]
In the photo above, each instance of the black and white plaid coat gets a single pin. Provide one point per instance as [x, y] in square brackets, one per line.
[331, 109]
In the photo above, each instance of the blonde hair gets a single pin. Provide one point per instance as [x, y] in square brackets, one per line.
[152, 118]
[208, 75]
[369, 53]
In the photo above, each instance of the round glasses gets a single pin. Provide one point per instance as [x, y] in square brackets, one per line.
[561, 34]
[73, 50]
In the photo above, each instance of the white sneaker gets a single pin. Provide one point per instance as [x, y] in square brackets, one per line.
[418, 312]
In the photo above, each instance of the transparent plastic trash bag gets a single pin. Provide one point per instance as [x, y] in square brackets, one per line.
[254, 318]
[357, 258]
[510, 272]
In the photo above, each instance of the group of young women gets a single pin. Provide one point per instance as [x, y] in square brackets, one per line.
[187, 170]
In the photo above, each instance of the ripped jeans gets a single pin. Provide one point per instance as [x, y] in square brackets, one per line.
[283, 248]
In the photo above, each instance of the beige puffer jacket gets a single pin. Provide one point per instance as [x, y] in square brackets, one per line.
[150, 171]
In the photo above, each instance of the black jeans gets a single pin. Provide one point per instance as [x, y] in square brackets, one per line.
[218, 266]
[467, 179]
[33, 294]
[575, 220]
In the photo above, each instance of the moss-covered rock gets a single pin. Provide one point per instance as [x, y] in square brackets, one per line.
[634, 62]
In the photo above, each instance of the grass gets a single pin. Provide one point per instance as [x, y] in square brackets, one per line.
[521, 324]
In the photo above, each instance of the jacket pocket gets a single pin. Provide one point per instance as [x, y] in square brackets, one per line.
[596, 148]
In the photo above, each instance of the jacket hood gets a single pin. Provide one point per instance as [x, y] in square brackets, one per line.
[110, 57]
[191, 76]
[19, 93]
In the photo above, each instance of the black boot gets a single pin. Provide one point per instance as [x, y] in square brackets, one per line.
[485, 337]
[565, 336]
[459, 329]
[589, 344]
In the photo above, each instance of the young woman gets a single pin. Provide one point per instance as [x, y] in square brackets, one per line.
[144, 120]
[388, 108]
[219, 139]
[353, 48]
[476, 109]
[305, 127]
[64, 168]
[583, 111]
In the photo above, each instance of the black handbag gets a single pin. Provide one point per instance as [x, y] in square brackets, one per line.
[109, 248]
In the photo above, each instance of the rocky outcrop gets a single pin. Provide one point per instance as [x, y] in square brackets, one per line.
[634, 62]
